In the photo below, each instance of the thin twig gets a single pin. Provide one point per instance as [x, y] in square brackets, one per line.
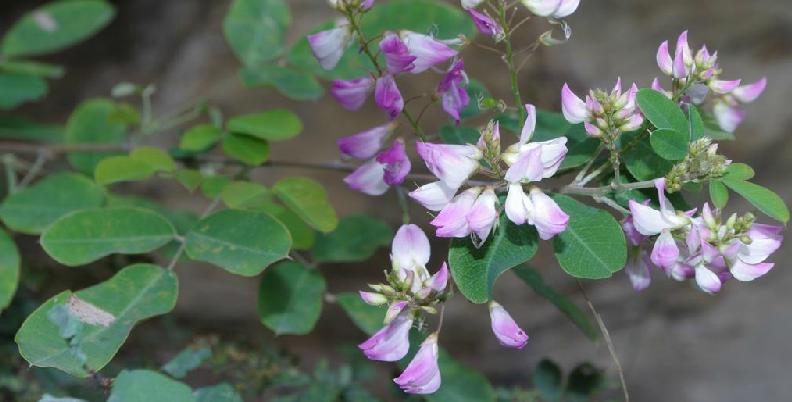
[608, 341]
[177, 255]
[34, 169]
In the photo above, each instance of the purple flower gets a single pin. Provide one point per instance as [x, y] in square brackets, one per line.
[634, 237]
[723, 87]
[433, 196]
[485, 24]
[397, 55]
[483, 215]
[665, 252]
[422, 375]
[507, 331]
[373, 299]
[749, 93]
[683, 57]
[454, 96]
[452, 220]
[366, 144]
[397, 164]
[707, 280]
[452, 164]
[392, 342]
[537, 209]
[388, 97]
[574, 109]
[328, 46]
[366, 4]
[352, 94]
[664, 60]
[368, 178]
[649, 221]
[410, 253]
[637, 269]
[428, 51]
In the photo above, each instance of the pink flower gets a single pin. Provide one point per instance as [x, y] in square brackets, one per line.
[328, 46]
[728, 116]
[454, 96]
[368, 178]
[366, 144]
[428, 51]
[707, 280]
[664, 60]
[665, 252]
[537, 209]
[483, 215]
[422, 375]
[388, 97]
[535, 161]
[485, 24]
[637, 269]
[507, 331]
[352, 94]
[574, 109]
[683, 57]
[723, 87]
[452, 220]
[749, 93]
[396, 163]
[452, 164]
[397, 55]
[410, 248]
[390, 343]
[434, 196]
[649, 221]
[373, 299]
[634, 237]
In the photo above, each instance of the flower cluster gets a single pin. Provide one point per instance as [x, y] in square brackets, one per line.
[694, 77]
[383, 167]
[474, 211]
[700, 246]
[604, 114]
[410, 292]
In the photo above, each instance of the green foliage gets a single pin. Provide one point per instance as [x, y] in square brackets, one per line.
[148, 386]
[55, 26]
[272, 125]
[738, 172]
[661, 111]
[245, 195]
[90, 234]
[290, 298]
[719, 194]
[188, 359]
[241, 242]
[200, 137]
[33, 209]
[92, 123]
[14, 127]
[593, 245]
[459, 135]
[120, 168]
[532, 278]
[583, 382]
[697, 129]
[548, 380]
[355, 239]
[250, 150]
[303, 236]
[256, 29]
[308, 199]
[25, 67]
[19, 89]
[671, 145]
[135, 293]
[640, 159]
[475, 269]
[760, 197]
[9, 269]
[155, 158]
[292, 83]
[217, 393]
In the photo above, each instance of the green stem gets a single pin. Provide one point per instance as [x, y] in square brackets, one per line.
[509, 59]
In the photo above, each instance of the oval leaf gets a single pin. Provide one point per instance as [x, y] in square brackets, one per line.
[308, 199]
[661, 111]
[593, 245]
[245, 195]
[146, 386]
[34, 208]
[120, 168]
[272, 125]
[20, 88]
[763, 199]
[241, 242]
[88, 235]
[135, 293]
[476, 269]
[247, 149]
[718, 193]
[255, 29]
[200, 138]
[290, 298]
[156, 159]
[9, 269]
[92, 123]
[670, 144]
[355, 239]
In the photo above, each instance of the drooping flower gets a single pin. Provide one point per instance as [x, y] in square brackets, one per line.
[410, 251]
[537, 209]
[728, 109]
[328, 46]
[649, 221]
[388, 97]
[452, 164]
[483, 216]
[504, 327]
[452, 219]
[665, 252]
[552, 8]
[453, 94]
[390, 343]
[637, 269]
[434, 196]
[486, 25]
[422, 375]
[352, 94]
[397, 56]
[366, 144]
[396, 163]
[428, 51]
[368, 178]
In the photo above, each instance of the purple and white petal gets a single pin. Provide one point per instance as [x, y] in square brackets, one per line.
[743, 271]
[427, 50]
[366, 144]
[368, 178]
[548, 218]
[452, 220]
[396, 163]
[707, 280]
[530, 124]
[665, 252]
[566, 8]
[397, 56]
[483, 215]
[329, 46]
[504, 327]
[485, 24]
[517, 205]
[422, 375]
[390, 343]
[664, 60]
[453, 164]
[723, 86]
[410, 248]
[433, 196]
[574, 109]
[542, 8]
[749, 93]
[388, 97]
[352, 94]
[728, 117]
[637, 270]
[373, 299]
[453, 95]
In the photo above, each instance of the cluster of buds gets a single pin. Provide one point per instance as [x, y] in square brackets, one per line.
[702, 247]
[702, 163]
[475, 211]
[604, 114]
[410, 293]
[694, 77]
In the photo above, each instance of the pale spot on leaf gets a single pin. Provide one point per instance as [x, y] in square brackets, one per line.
[89, 313]
[45, 21]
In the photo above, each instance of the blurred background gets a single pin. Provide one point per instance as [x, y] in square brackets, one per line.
[675, 343]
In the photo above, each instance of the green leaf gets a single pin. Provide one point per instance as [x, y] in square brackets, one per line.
[476, 269]
[188, 359]
[640, 159]
[245, 195]
[156, 159]
[308, 199]
[256, 29]
[55, 26]
[593, 245]
[17, 128]
[760, 197]
[718, 193]
[189, 178]
[533, 279]
[548, 380]
[290, 82]
[241, 242]
[91, 123]
[223, 392]
[697, 129]
[303, 236]
[27, 67]
[9, 269]
[135, 293]
[34, 208]
[670, 144]
[661, 111]
[355, 239]
[272, 125]
[90, 234]
[250, 150]
[583, 382]
[114, 169]
[19, 88]
[290, 298]
[200, 137]
[458, 135]
[148, 386]
[212, 186]
[738, 171]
